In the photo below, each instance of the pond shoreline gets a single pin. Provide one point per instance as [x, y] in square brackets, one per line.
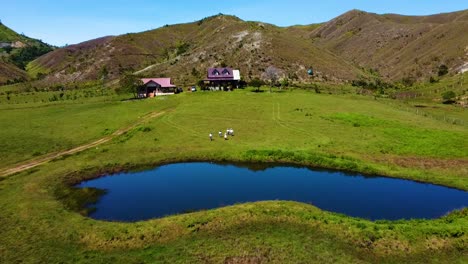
[87, 174]
[249, 173]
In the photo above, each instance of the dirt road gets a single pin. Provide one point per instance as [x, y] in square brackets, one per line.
[48, 157]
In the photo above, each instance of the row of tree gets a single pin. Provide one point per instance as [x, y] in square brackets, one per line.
[129, 83]
[272, 76]
[22, 56]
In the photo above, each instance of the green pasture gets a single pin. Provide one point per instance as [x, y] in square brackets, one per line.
[40, 221]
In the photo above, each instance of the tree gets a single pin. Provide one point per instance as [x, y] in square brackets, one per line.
[195, 73]
[8, 49]
[129, 83]
[271, 74]
[181, 48]
[408, 80]
[201, 84]
[443, 70]
[433, 80]
[448, 97]
[29, 53]
[103, 73]
[256, 83]
[284, 82]
[293, 76]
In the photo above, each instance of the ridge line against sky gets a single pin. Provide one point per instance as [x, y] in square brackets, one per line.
[69, 22]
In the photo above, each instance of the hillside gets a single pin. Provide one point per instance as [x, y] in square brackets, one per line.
[9, 72]
[8, 35]
[184, 51]
[352, 45]
[398, 46]
[16, 51]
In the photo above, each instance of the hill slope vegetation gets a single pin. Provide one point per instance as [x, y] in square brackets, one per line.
[16, 51]
[398, 46]
[354, 45]
[184, 52]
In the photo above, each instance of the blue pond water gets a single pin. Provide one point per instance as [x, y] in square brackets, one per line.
[183, 187]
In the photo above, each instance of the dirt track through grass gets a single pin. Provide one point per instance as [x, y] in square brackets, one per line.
[348, 132]
[48, 157]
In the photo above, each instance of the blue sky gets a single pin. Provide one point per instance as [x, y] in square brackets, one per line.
[73, 21]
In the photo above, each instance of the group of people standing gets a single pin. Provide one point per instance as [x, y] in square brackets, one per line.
[229, 132]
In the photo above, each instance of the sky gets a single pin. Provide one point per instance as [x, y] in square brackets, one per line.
[73, 21]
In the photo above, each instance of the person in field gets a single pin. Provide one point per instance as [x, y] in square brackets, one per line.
[225, 136]
[211, 137]
[220, 134]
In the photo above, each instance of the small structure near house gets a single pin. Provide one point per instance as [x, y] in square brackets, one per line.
[156, 86]
[222, 78]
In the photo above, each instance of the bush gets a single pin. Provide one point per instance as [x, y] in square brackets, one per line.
[182, 48]
[443, 70]
[408, 81]
[448, 97]
[201, 84]
[256, 83]
[433, 80]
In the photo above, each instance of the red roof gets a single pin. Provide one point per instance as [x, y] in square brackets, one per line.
[164, 82]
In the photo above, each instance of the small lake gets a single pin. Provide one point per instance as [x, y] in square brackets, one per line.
[185, 187]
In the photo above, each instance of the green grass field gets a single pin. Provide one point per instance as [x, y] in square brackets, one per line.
[40, 222]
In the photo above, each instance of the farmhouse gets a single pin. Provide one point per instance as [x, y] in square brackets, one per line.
[222, 78]
[156, 86]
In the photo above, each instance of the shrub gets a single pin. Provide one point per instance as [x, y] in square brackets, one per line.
[145, 129]
[195, 72]
[448, 97]
[443, 70]
[408, 80]
[182, 48]
[256, 83]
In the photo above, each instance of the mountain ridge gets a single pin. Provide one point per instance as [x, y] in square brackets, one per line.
[397, 46]
[178, 50]
[343, 49]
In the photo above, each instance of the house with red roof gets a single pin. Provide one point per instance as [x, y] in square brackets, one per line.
[222, 78]
[156, 86]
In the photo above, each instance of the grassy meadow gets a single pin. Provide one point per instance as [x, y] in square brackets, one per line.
[40, 219]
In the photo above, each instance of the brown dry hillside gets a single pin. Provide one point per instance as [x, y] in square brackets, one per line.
[397, 46]
[184, 51]
[9, 72]
[339, 50]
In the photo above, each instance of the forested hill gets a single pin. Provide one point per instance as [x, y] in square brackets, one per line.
[16, 51]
